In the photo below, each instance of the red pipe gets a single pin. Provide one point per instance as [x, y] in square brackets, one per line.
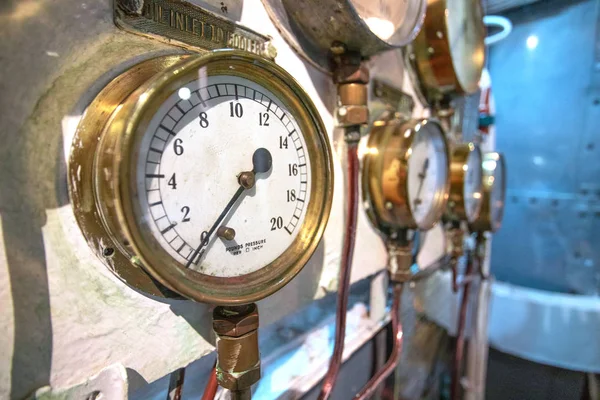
[460, 332]
[392, 362]
[211, 387]
[344, 274]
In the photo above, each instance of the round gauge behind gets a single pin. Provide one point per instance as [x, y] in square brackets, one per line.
[215, 176]
[498, 194]
[428, 175]
[466, 34]
[448, 55]
[364, 26]
[472, 184]
[493, 194]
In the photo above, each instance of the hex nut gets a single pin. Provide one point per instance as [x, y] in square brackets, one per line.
[239, 380]
[235, 325]
[352, 115]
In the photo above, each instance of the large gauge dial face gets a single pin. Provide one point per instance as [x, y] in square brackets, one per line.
[466, 32]
[197, 145]
[396, 22]
[212, 175]
[428, 175]
[472, 184]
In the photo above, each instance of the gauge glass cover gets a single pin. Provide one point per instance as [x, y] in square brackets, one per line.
[395, 22]
[201, 139]
[427, 175]
[472, 184]
[497, 195]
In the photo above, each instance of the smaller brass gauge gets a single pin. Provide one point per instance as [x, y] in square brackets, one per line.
[466, 183]
[493, 194]
[211, 174]
[406, 175]
[448, 55]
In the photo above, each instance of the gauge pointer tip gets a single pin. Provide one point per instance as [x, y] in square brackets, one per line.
[262, 160]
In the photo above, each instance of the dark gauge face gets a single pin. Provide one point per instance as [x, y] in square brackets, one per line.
[466, 33]
[216, 140]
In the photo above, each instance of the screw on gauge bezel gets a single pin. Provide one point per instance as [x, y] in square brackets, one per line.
[116, 194]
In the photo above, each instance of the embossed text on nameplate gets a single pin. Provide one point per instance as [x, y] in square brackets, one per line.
[182, 23]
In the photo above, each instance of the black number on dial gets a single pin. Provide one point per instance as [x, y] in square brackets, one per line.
[293, 169]
[186, 211]
[172, 182]
[263, 119]
[283, 142]
[291, 195]
[203, 120]
[177, 146]
[276, 223]
[235, 109]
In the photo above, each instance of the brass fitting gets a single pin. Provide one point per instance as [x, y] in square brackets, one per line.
[350, 70]
[399, 261]
[238, 357]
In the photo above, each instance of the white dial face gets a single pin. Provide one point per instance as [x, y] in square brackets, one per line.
[427, 175]
[386, 17]
[472, 185]
[497, 195]
[223, 176]
[465, 35]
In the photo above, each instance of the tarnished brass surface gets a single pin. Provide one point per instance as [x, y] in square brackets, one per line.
[385, 176]
[399, 261]
[456, 201]
[437, 68]
[86, 205]
[182, 23]
[485, 222]
[116, 193]
[238, 356]
[235, 322]
[353, 94]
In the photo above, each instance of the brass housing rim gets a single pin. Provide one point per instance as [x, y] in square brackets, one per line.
[80, 173]
[385, 176]
[429, 57]
[116, 190]
[491, 162]
[456, 201]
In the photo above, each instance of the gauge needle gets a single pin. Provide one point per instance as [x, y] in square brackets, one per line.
[261, 162]
[421, 176]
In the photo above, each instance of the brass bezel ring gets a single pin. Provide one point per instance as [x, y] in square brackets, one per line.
[385, 176]
[456, 201]
[116, 189]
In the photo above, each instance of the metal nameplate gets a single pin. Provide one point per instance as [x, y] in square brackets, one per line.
[393, 97]
[184, 24]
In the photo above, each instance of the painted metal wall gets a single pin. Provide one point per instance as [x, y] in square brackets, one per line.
[547, 90]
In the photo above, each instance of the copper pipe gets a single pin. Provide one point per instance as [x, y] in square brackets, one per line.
[176, 384]
[211, 386]
[460, 333]
[344, 274]
[389, 367]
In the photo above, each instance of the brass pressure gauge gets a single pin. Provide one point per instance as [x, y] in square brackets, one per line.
[493, 194]
[448, 55]
[405, 175]
[466, 184]
[207, 175]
